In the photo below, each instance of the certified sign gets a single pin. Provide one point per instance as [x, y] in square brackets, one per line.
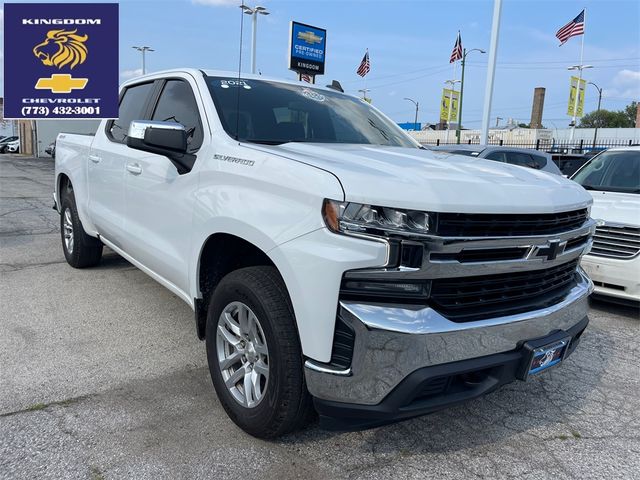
[307, 48]
[61, 60]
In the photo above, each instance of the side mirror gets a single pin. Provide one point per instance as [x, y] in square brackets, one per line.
[162, 138]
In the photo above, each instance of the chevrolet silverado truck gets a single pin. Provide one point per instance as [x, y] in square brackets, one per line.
[331, 262]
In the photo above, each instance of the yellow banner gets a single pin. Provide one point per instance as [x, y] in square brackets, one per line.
[449, 105]
[572, 97]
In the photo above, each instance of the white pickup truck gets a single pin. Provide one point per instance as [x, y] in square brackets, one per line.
[332, 263]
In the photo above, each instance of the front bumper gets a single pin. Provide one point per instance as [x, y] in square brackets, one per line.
[392, 344]
[613, 277]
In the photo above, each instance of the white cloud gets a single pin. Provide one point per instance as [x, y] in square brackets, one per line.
[219, 3]
[626, 85]
[131, 73]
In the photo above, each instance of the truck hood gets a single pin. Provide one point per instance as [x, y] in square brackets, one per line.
[616, 207]
[426, 180]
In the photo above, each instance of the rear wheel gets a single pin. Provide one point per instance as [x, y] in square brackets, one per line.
[80, 250]
[254, 353]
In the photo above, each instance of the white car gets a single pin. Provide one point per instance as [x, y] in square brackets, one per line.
[13, 147]
[613, 179]
[326, 255]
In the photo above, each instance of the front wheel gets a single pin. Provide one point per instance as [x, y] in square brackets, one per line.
[254, 353]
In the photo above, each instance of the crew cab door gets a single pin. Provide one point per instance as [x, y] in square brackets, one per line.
[106, 164]
[159, 200]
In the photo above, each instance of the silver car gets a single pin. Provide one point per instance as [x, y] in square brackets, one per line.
[515, 156]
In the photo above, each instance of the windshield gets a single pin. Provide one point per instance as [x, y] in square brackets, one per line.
[613, 171]
[273, 113]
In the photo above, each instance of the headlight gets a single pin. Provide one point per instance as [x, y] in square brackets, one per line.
[348, 217]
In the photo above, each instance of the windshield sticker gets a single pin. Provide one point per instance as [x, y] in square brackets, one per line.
[234, 83]
[310, 94]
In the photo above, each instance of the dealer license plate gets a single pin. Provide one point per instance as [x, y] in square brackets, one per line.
[547, 356]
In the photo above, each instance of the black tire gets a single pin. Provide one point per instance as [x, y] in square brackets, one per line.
[286, 404]
[86, 251]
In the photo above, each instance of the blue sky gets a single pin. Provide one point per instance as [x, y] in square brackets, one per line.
[409, 43]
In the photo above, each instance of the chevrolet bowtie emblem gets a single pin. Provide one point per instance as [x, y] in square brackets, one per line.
[61, 83]
[552, 250]
[309, 37]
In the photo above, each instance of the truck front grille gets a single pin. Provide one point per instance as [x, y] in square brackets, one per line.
[616, 241]
[468, 299]
[489, 225]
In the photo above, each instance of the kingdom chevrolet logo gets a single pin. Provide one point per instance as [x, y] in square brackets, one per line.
[61, 83]
[309, 37]
[552, 250]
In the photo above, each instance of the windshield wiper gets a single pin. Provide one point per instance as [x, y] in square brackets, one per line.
[611, 189]
[263, 141]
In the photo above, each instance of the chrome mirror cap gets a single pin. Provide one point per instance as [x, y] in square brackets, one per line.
[137, 128]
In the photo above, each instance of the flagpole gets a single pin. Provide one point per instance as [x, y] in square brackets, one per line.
[577, 99]
[446, 138]
[364, 78]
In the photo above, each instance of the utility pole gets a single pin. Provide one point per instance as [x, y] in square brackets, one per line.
[491, 71]
[144, 50]
[254, 12]
[598, 119]
[464, 58]
[415, 123]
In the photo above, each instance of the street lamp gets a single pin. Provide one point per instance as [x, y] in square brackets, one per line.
[453, 84]
[598, 119]
[364, 92]
[144, 50]
[415, 123]
[464, 57]
[254, 12]
[575, 105]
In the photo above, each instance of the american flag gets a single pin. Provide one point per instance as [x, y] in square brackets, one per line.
[305, 77]
[365, 65]
[456, 54]
[572, 29]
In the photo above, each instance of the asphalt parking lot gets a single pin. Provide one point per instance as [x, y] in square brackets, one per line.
[101, 376]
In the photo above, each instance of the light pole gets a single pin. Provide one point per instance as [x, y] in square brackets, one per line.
[464, 57]
[491, 71]
[415, 123]
[364, 92]
[598, 119]
[498, 121]
[144, 50]
[577, 100]
[254, 12]
[453, 84]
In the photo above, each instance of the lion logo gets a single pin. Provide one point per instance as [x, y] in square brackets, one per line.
[70, 50]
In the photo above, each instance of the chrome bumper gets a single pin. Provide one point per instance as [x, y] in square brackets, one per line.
[392, 342]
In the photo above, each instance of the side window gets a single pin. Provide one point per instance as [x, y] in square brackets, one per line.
[177, 104]
[539, 161]
[497, 156]
[521, 159]
[131, 108]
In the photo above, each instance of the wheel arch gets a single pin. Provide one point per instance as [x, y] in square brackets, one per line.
[220, 254]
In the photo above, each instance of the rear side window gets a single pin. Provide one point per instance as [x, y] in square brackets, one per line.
[497, 156]
[132, 106]
[522, 159]
[539, 161]
[177, 104]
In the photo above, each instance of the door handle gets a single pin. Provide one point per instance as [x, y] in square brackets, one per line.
[134, 168]
[95, 158]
